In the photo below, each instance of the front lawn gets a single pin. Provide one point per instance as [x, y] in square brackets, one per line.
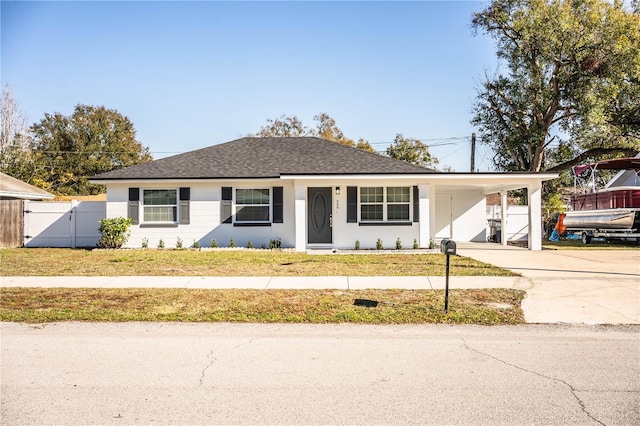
[150, 262]
[39, 305]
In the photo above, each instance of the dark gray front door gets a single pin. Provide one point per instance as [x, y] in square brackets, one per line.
[319, 224]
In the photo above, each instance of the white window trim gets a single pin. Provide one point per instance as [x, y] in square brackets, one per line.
[177, 206]
[235, 205]
[385, 203]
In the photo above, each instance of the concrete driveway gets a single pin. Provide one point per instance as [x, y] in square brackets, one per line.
[578, 286]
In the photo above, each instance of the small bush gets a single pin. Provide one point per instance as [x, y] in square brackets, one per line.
[398, 244]
[214, 243]
[114, 232]
[179, 243]
[161, 243]
[249, 244]
[415, 244]
[145, 243]
[432, 244]
[196, 244]
[232, 243]
[379, 245]
[357, 246]
[275, 244]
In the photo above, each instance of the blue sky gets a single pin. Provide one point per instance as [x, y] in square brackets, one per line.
[194, 74]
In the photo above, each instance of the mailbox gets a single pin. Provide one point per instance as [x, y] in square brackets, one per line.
[448, 247]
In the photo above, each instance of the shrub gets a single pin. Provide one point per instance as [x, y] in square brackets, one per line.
[179, 243]
[357, 246]
[214, 243]
[161, 243]
[275, 244]
[196, 244]
[415, 244]
[432, 244]
[145, 242]
[232, 243]
[114, 232]
[249, 244]
[398, 244]
[379, 245]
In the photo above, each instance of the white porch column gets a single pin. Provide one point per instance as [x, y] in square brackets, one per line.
[534, 192]
[425, 203]
[300, 217]
[503, 218]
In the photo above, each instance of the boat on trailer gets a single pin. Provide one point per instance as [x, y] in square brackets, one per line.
[610, 212]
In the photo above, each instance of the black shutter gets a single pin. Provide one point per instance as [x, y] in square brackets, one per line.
[225, 205]
[352, 204]
[278, 207]
[185, 197]
[416, 204]
[133, 207]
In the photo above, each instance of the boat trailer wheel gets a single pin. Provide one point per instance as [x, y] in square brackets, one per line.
[586, 238]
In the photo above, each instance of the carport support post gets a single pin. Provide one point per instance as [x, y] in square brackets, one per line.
[503, 217]
[534, 192]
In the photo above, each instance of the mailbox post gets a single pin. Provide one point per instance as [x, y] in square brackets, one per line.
[448, 248]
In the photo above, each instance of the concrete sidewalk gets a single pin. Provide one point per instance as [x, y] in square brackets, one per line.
[296, 283]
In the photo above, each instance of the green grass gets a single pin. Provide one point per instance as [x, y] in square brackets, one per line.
[38, 305]
[62, 262]
[596, 244]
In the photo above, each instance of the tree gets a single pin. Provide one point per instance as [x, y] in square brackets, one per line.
[325, 128]
[412, 151]
[15, 158]
[572, 85]
[283, 127]
[93, 140]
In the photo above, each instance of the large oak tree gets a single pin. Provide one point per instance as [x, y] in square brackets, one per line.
[92, 140]
[570, 88]
[288, 126]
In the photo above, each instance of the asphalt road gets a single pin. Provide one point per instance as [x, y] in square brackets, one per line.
[172, 373]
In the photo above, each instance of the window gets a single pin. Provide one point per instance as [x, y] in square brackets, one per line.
[378, 204]
[160, 205]
[371, 204]
[252, 205]
[398, 199]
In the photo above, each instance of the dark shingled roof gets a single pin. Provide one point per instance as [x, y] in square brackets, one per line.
[266, 158]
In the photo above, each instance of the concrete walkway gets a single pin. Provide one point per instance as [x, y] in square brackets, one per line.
[570, 286]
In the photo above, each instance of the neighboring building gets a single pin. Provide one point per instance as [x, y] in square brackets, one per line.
[308, 193]
[15, 189]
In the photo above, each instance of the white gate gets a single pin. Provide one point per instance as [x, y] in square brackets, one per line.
[63, 224]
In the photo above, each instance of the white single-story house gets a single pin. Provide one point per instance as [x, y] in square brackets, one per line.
[308, 193]
[15, 189]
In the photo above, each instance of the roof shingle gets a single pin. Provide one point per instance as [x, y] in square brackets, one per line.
[272, 157]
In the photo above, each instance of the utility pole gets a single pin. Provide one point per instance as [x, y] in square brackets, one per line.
[473, 152]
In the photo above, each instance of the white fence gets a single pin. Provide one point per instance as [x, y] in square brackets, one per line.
[63, 224]
[517, 221]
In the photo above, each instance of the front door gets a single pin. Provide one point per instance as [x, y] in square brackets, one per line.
[319, 223]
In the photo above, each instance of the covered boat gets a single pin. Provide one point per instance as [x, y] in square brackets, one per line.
[612, 211]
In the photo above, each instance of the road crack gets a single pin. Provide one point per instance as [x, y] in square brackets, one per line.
[555, 379]
[212, 359]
